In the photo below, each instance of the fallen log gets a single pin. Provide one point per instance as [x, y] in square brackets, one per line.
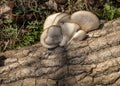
[94, 61]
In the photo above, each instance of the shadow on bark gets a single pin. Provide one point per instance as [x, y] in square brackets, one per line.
[92, 62]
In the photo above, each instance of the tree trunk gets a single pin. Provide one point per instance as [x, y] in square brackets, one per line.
[92, 62]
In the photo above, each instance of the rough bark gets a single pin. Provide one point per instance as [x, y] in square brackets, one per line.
[94, 61]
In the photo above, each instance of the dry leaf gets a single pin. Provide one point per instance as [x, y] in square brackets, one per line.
[6, 10]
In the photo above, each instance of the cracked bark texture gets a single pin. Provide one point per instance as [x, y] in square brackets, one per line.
[94, 61]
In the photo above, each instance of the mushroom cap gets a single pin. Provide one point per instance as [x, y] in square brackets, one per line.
[69, 28]
[87, 20]
[55, 19]
[49, 20]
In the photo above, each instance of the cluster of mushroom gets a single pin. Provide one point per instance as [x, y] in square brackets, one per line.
[61, 28]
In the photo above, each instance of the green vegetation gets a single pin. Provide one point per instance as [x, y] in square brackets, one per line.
[33, 34]
[26, 24]
[25, 27]
[17, 36]
[109, 12]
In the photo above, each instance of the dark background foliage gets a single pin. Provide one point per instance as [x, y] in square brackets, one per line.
[22, 24]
